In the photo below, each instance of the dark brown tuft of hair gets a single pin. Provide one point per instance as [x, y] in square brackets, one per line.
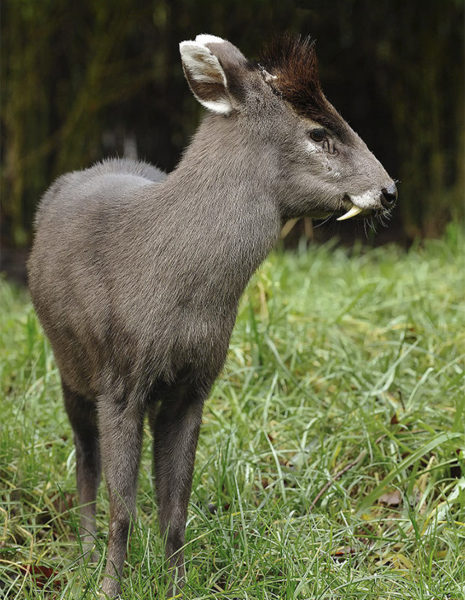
[293, 61]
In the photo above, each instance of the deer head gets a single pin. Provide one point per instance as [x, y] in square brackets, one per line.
[317, 165]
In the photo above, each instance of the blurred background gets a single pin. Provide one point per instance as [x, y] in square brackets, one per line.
[96, 78]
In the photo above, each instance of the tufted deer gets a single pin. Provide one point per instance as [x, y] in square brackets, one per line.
[136, 276]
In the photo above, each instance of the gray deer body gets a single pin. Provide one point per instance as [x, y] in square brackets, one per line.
[136, 276]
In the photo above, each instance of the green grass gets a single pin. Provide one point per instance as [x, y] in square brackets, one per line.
[333, 444]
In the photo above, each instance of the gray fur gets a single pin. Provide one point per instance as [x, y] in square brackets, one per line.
[136, 279]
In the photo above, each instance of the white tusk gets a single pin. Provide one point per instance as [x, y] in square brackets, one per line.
[354, 211]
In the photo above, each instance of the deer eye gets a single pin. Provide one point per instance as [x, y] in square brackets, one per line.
[317, 135]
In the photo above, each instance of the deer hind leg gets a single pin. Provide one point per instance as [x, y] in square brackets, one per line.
[120, 423]
[175, 425]
[83, 418]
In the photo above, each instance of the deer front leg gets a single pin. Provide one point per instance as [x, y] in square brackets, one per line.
[120, 425]
[175, 428]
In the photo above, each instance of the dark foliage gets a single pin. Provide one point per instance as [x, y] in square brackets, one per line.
[85, 80]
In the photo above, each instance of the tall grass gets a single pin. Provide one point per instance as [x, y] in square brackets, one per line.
[331, 459]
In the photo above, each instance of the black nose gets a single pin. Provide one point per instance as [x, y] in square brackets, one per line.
[389, 195]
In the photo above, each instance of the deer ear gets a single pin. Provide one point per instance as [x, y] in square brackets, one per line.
[205, 74]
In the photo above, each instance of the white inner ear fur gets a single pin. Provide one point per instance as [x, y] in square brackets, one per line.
[204, 67]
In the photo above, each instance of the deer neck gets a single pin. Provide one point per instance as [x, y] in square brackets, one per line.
[225, 188]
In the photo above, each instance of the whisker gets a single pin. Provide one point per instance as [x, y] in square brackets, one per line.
[366, 226]
[322, 222]
[383, 217]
